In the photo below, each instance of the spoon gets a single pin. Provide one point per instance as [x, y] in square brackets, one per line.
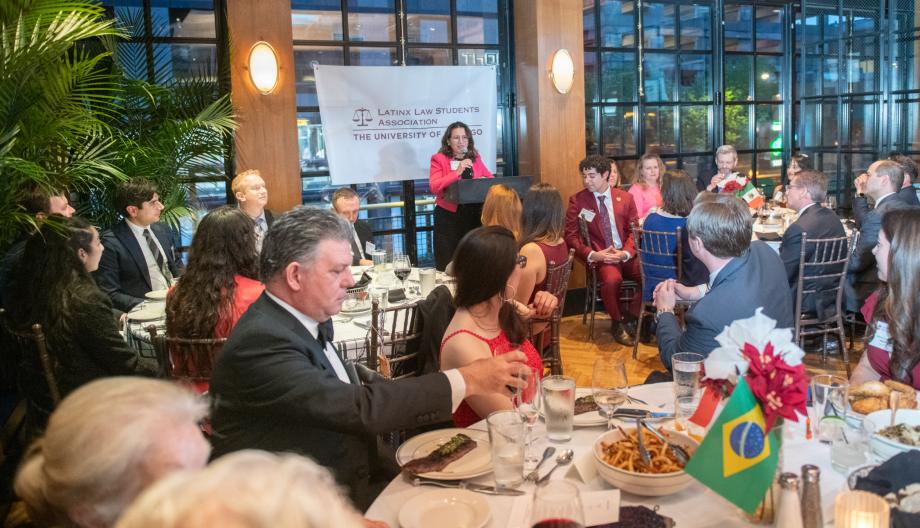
[549, 452]
[561, 460]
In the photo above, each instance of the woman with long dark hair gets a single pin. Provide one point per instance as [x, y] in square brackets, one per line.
[457, 159]
[487, 321]
[542, 228]
[52, 286]
[221, 279]
[893, 311]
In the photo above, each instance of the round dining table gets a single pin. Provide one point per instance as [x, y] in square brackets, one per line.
[694, 507]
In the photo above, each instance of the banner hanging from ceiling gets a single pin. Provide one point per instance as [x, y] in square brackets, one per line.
[383, 123]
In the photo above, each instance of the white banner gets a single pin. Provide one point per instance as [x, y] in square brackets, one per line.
[383, 123]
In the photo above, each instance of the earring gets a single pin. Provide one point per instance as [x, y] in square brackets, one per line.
[509, 297]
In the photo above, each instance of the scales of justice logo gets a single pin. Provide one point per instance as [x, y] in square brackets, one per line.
[362, 117]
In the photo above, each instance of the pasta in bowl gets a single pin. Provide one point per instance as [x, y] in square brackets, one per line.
[618, 462]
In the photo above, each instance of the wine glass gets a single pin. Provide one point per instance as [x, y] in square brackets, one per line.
[402, 267]
[557, 504]
[527, 402]
[609, 385]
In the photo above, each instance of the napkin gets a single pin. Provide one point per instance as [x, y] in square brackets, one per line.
[363, 281]
[892, 476]
[396, 295]
[600, 508]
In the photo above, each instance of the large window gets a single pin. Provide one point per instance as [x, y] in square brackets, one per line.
[392, 33]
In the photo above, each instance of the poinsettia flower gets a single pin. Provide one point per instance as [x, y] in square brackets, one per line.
[728, 361]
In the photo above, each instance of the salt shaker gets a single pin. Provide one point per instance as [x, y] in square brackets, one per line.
[789, 514]
[812, 516]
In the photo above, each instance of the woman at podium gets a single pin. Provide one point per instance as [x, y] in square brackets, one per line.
[456, 160]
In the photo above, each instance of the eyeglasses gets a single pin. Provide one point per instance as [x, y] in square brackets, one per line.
[521, 261]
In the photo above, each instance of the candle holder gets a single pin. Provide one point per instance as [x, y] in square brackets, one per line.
[860, 509]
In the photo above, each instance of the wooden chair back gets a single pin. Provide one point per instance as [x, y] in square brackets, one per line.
[186, 359]
[393, 340]
[33, 346]
[662, 246]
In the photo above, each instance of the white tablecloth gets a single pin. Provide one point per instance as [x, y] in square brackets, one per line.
[695, 506]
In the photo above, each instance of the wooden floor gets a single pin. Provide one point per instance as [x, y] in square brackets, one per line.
[578, 353]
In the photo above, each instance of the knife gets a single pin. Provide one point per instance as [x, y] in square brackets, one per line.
[478, 488]
[641, 413]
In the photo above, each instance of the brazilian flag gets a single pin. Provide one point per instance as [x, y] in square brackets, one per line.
[737, 459]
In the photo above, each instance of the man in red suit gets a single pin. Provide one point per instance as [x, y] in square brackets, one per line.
[609, 213]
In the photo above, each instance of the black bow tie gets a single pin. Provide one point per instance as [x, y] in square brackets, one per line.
[325, 332]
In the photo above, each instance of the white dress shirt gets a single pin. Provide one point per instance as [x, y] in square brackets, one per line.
[157, 280]
[457, 384]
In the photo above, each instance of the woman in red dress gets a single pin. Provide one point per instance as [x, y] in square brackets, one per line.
[488, 321]
[893, 311]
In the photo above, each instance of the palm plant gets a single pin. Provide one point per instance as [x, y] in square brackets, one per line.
[57, 100]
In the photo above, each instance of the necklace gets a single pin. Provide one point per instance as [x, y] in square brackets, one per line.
[476, 319]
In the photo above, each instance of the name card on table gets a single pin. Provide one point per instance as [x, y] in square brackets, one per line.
[600, 507]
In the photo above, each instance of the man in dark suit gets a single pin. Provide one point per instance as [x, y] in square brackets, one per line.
[726, 159]
[609, 213]
[743, 276]
[279, 384]
[907, 193]
[804, 193]
[880, 183]
[252, 196]
[139, 253]
[347, 203]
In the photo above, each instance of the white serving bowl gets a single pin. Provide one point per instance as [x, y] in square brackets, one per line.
[646, 484]
[885, 448]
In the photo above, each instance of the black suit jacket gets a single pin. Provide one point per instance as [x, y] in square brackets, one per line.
[274, 389]
[753, 280]
[862, 275]
[364, 235]
[122, 272]
[908, 195]
[816, 222]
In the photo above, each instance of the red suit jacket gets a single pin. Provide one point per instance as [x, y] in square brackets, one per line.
[624, 214]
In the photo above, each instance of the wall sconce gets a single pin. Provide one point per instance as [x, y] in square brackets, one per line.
[263, 67]
[562, 71]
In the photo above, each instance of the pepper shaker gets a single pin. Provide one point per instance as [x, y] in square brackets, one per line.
[812, 516]
[789, 514]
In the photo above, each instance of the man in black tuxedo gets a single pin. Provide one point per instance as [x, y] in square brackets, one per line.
[139, 253]
[743, 276]
[881, 183]
[279, 384]
[252, 196]
[804, 193]
[346, 203]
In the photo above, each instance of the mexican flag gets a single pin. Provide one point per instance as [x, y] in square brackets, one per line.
[749, 194]
[738, 458]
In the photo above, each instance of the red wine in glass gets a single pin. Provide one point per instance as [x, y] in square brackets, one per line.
[558, 523]
[402, 273]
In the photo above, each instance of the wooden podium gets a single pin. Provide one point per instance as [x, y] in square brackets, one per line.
[474, 191]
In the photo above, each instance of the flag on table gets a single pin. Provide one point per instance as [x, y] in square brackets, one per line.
[738, 458]
[706, 409]
[751, 195]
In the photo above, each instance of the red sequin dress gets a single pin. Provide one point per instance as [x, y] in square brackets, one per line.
[465, 416]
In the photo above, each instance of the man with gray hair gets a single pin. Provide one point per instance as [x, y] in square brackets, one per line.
[804, 193]
[881, 183]
[726, 160]
[279, 385]
[743, 276]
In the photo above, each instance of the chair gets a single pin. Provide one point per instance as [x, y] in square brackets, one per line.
[34, 340]
[35, 369]
[628, 288]
[393, 341]
[654, 248]
[823, 261]
[185, 359]
[557, 283]
[354, 350]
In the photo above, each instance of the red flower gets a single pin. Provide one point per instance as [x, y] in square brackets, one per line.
[731, 187]
[780, 388]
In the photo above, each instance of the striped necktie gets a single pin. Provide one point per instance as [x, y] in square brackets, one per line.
[158, 256]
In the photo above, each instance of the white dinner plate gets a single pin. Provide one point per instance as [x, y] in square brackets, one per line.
[473, 464]
[445, 508]
[157, 295]
[147, 313]
[588, 419]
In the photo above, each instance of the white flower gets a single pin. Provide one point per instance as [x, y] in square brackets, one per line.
[727, 361]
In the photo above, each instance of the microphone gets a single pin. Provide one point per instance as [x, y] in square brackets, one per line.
[468, 172]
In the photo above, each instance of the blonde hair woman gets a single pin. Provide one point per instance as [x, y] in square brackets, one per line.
[105, 443]
[646, 190]
[248, 488]
[503, 208]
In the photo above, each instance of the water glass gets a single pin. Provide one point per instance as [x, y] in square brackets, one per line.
[506, 434]
[426, 280]
[849, 444]
[379, 256]
[609, 385]
[557, 504]
[558, 394]
[684, 407]
[829, 404]
[687, 368]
